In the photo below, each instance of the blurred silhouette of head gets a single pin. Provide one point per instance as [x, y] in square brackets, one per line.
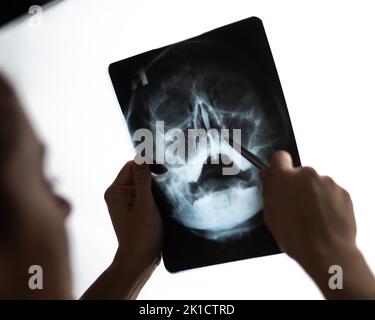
[32, 216]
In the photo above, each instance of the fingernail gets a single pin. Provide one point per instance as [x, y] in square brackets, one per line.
[142, 166]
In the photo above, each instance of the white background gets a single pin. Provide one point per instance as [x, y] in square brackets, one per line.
[324, 52]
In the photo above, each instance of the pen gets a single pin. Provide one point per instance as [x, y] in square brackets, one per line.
[248, 155]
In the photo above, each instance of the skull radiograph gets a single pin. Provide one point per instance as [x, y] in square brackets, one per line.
[203, 85]
[214, 83]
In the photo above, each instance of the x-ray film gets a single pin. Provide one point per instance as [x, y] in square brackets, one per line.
[221, 82]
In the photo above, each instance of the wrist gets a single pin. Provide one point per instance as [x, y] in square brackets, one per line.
[356, 278]
[128, 260]
[327, 253]
[131, 272]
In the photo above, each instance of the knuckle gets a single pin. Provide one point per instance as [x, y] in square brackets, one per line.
[108, 194]
[345, 194]
[309, 172]
[328, 180]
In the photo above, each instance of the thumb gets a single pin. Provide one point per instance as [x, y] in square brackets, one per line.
[281, 161]
[125, 176]
[142, 182]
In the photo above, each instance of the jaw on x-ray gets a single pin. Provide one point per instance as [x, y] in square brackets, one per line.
[222, 80]
[203, 85]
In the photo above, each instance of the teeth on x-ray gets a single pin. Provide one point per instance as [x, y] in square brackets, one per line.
[211, 94]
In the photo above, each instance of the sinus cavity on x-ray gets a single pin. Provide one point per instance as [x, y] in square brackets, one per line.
[222, 81]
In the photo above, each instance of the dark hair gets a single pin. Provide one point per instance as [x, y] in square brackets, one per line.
[9, 120]
[9, 132]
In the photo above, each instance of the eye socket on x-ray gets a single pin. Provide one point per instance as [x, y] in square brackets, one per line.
[230, 96]
[174, 113]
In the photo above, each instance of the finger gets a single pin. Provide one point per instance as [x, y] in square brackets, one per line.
[127, 194]
[128, 190]
[142, 182]
[281, 161]
[264, 178]
[125, 176]
[264, 175]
